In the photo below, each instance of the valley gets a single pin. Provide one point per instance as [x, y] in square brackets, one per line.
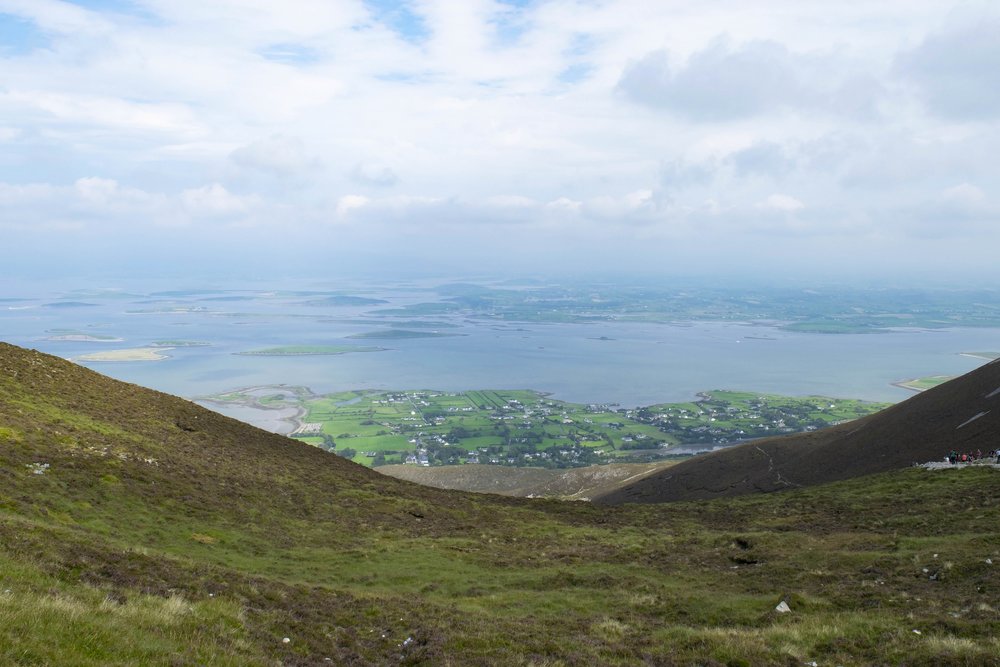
[137, 528]
[528, 428]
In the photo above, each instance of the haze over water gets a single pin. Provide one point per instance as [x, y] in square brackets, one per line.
[629, 363]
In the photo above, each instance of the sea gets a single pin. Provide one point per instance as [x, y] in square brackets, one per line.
[624, 363]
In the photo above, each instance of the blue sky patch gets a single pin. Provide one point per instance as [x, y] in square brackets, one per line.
[18, 36]
[122, 7]
[575, 73]
[510, 24]
[400, 18]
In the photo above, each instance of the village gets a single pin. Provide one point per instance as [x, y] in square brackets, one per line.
[527, 428]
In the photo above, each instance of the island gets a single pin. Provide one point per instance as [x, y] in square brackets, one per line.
[308, 350]
[179, 343]
[401, 334]
[78, 336]
[131, 354]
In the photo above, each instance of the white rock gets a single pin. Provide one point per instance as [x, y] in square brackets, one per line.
[782, 607]
[285, 640]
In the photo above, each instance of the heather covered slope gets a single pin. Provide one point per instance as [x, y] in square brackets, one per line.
[563, 483]
[136, 528]
[963, 414]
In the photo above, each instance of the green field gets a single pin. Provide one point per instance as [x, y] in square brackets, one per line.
[925, 383]
[527, 428]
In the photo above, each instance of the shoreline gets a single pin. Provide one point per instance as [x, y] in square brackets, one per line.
[127, 355]
[976, 355]
[291, 422]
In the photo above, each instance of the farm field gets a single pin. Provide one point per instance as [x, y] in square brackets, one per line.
[528, 428]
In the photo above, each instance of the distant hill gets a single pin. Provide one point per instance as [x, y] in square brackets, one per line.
[962, 414]
[137, 528]
[564, 483]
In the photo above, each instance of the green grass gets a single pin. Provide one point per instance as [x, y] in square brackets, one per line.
[516, 421]
[925, 383]
[234, 539]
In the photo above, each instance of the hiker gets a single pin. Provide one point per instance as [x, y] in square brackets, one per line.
[953, 457]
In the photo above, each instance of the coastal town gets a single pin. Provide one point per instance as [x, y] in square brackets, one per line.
[527, 428]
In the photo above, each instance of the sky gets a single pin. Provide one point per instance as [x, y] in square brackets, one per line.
[784, 138]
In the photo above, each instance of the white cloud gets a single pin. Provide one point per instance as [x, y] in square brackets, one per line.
[104, 111]
[214, 200]
[956, 70]
[964, 194]
[374, 173]
[349, 203]
[803, 120]
[785, 203]
[723, 82]
[276, 154]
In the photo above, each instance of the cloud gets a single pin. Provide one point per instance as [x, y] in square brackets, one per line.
[765, 158]
[102, 111]
[374, 173]
[784, 203]
[964, 194]
[678, 175]
[956, 70]
[277, 154]
[606, 126]
[718, 83]
[723, 82]
[215, 200]
[349, 203]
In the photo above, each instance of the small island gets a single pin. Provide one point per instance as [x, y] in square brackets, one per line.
[131, 354]
[76, 337]
[401, 334]
[179, 343]
[308, 350]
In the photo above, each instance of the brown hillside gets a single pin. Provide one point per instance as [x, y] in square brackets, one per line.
[963, 414]
[567, 484]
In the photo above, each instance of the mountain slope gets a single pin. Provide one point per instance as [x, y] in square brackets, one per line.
[963, 414]
[137, 528]
[564, 483]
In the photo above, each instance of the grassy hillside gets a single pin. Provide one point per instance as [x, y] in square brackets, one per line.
[137, 528]
[962, 414]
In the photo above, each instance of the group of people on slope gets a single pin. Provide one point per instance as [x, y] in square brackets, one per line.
[970, 457]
